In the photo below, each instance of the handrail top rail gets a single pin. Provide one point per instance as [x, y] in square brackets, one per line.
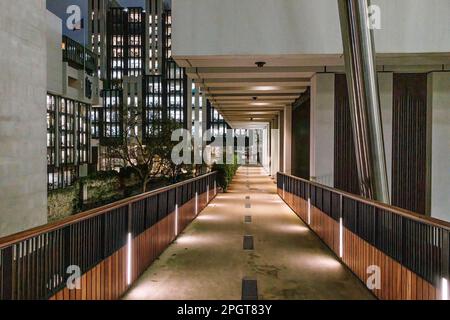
[403, 212]
[30, 233]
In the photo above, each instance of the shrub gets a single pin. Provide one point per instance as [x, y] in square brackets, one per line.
[62, 203]
[102, 188]
[226, 173]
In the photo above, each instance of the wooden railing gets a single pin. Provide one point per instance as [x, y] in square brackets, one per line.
[108, 248]
[408, 252]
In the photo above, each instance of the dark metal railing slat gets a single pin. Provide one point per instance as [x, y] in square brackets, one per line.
[33, 264]
[420, 244]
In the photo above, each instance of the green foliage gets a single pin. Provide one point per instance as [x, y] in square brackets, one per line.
[226, 173]
[62, 203]
[99, 176]
[102, 187]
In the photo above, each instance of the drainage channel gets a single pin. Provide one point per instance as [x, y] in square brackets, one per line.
[249, 286]
[249, 289]
[249, 243]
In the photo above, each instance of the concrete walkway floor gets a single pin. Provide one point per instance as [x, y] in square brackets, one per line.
[208, 260]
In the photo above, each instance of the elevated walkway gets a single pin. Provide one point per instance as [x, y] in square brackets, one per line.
[292, 240]
[208, 260]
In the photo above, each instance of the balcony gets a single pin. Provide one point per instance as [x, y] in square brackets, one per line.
[78, 56]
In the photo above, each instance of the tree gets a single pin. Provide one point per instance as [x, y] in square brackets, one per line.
[149, 157]
[170, 169]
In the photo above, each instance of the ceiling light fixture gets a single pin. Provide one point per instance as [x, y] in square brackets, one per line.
[265, 88]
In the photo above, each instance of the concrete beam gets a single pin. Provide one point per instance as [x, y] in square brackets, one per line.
[253, 72]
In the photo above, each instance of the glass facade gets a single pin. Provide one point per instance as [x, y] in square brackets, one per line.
[176, 82]
[78, 56]
[68, 139]
[84, 133]
[168, 34]
[62, 177]
[126, 44]
[153, 108]
[163, 90]
[216, 122]
[51, 130]
[96, 122]
[67, 132]
[112, 114]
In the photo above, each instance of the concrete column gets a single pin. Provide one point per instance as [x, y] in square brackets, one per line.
[287, 144]
[204, 114]
[204, 126]
[274, 149]
[265, 159]
[197, 103]
[281, 142]
[263, 144]
[269, 143]
[438, 173]
[198, 157]
[189, 105]
[23, 78]
[269, 128]
[322, 128]
[267, 148]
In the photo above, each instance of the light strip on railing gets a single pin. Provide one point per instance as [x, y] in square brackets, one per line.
[444, 283]
[215, 188]
[341, 239]
[196, 203]
[129, 259]
[207, 193]
[283, 190]
[309, 210]
[176, 219]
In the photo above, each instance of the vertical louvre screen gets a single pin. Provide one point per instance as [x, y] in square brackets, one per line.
[409, 142]
[420, 245]
[345, 167]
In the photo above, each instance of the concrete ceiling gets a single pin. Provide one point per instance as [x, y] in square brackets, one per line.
[245, 94]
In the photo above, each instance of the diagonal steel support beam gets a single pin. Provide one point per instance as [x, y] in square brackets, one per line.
[359, 51]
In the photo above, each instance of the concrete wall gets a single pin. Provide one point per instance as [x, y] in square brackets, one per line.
[439, 117]
[54, 55]
[59, 72]
[287, 142]
[322, 128]
[23, 168]
[275, 149]
[322, 124]
[266, 27]
[266, 163]
[281, 141]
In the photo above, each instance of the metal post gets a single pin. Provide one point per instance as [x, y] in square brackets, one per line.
[129, 245]
[6, 274]
[359, 51]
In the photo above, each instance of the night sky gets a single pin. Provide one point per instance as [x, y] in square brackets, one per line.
[59, 8]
